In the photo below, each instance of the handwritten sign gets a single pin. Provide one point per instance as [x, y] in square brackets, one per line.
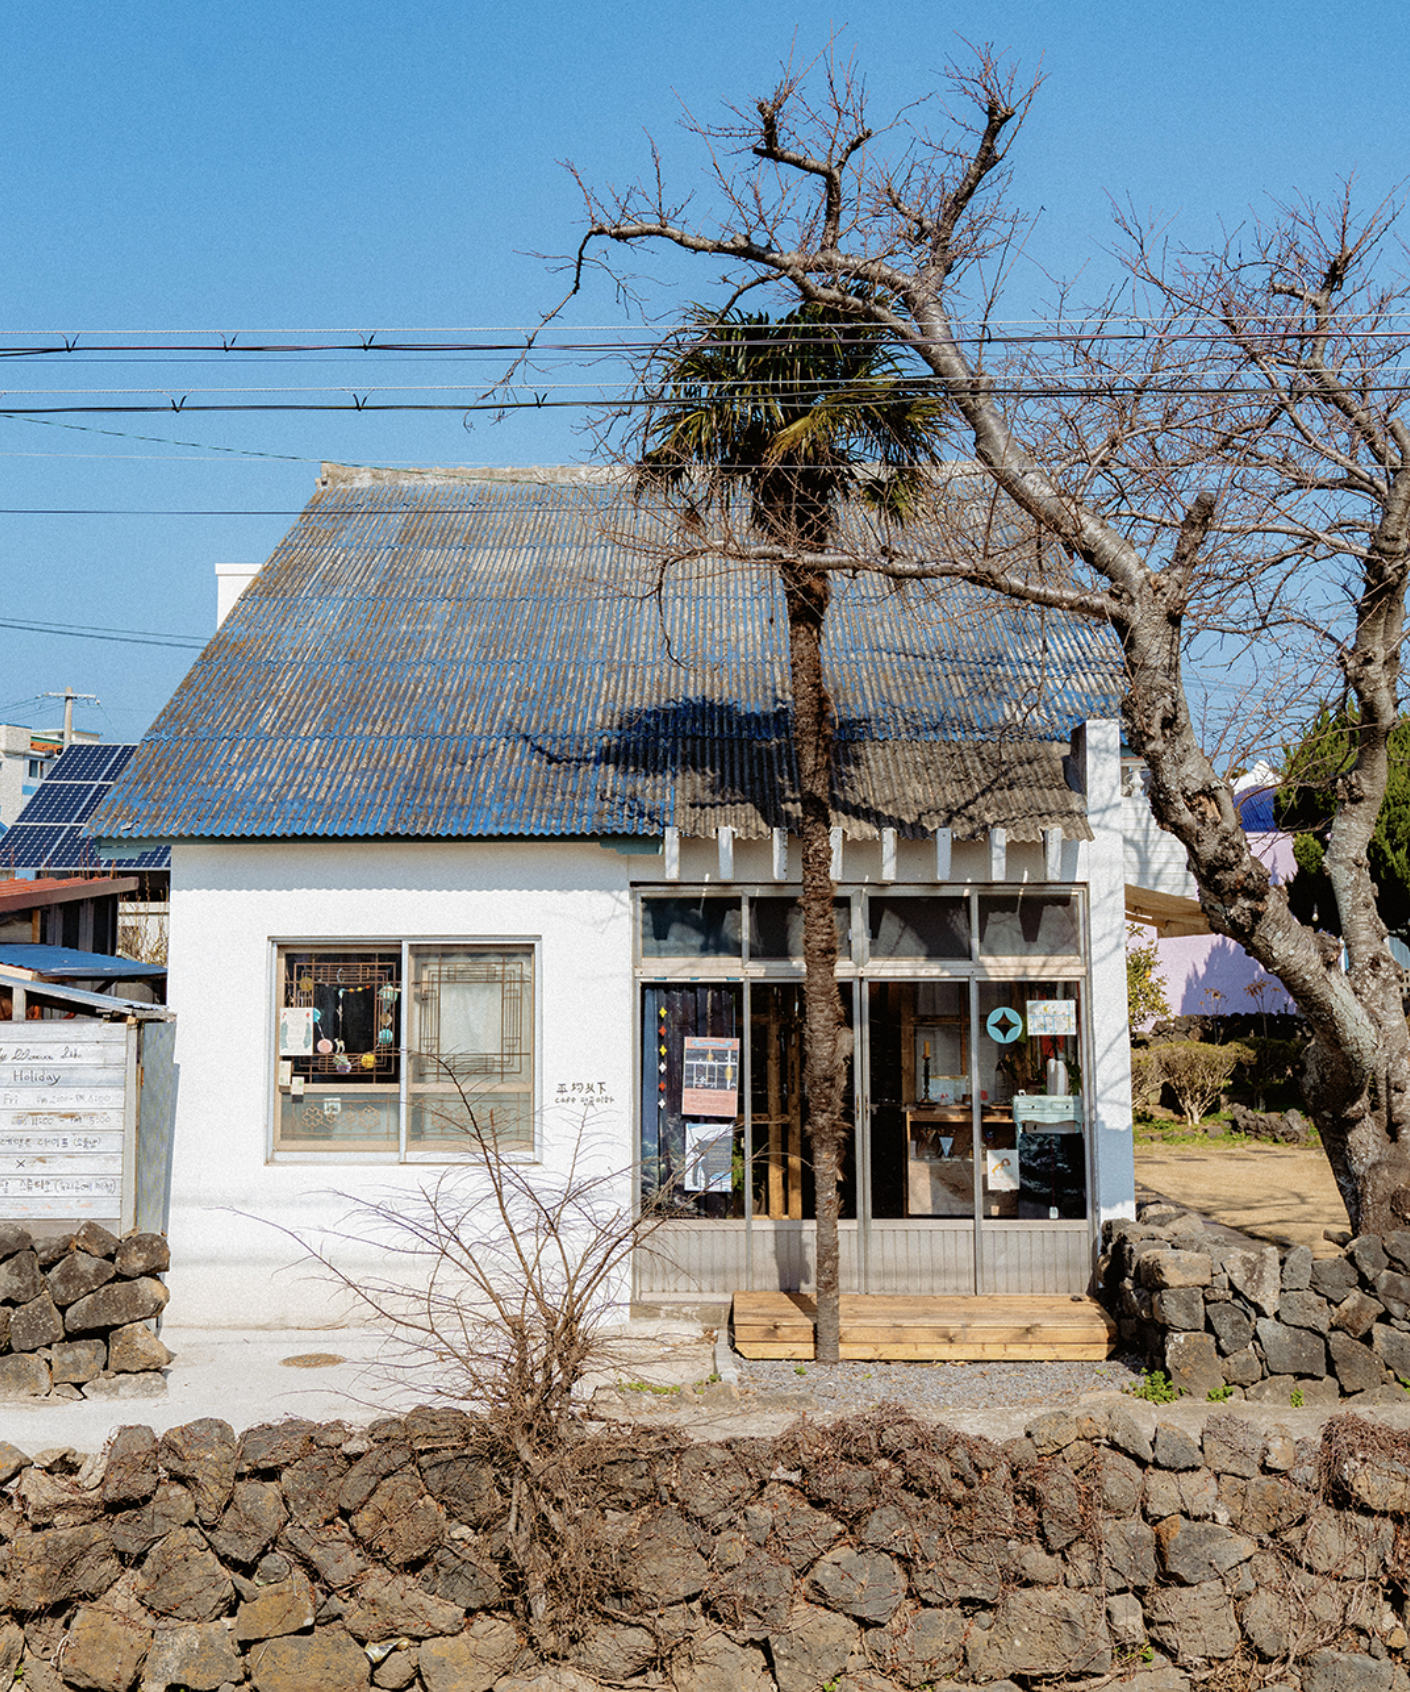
[62, 1116]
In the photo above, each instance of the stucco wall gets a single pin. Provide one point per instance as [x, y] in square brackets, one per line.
[231, 1264]
[234, 1209]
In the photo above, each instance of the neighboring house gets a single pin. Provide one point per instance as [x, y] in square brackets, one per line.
[467, 812]
[27, 756]
[1204, 973]
[67, 931]
[48, 839]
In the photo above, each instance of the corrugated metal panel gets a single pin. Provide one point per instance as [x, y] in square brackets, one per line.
[1022, 1259]
[468, 658]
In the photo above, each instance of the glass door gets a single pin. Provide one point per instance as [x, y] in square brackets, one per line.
[977, 1133]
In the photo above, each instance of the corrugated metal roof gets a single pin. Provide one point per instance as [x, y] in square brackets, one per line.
[67, 963]
[469, 658]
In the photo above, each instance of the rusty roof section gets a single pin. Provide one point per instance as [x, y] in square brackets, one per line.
[473, 654]
[30, 895]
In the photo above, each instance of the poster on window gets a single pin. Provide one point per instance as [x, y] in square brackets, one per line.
[296, 1031]
[1001, 1171]
[1052, 1016]
[709, 1157]
[710, 1078]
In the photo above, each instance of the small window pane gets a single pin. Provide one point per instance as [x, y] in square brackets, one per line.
[776, 929]
[446, 1122]
[339, 1017]
[472, 1047]
[705, 927]
[918, 928]
[324, 1119]
[1028, 925]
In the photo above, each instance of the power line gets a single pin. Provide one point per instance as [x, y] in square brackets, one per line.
[128, 637]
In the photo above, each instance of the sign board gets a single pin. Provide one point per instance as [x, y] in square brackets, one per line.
[65, 1118]
[1052, 1017]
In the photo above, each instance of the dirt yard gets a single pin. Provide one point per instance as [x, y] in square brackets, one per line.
[1274, 1192]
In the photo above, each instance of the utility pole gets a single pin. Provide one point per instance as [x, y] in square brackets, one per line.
[68, 696]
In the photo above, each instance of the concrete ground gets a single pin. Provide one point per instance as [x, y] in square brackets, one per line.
[1278, 1193]
[246, 1377]
[249, 1376]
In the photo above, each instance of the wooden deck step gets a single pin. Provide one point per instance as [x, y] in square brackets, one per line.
[1041, 1328]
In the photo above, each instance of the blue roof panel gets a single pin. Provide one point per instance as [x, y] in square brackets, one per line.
[65, 963]
[469, 657]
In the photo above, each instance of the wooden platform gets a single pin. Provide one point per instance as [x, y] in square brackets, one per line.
[930, 1330]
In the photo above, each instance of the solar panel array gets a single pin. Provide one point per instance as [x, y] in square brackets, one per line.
[48, 833]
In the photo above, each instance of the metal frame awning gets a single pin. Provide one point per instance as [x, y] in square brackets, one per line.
[24, 984]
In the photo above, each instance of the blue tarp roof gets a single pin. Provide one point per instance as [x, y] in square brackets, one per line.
[469, 658]
[66, 963]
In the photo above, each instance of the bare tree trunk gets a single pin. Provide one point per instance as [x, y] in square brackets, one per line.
[825, 1048]
[1255, 381]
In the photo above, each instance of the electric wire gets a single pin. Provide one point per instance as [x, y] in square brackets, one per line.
[128, 637]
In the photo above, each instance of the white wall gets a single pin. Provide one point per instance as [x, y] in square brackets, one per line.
[1096, 748]
[231, 1265]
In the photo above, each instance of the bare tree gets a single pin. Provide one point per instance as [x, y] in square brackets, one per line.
[1228, 461]
[500, 1288]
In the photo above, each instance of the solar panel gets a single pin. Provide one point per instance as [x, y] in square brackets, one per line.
[47, 833]
[46, 845]
[90, 763]
[63, 801]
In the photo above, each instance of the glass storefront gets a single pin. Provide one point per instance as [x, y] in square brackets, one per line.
[966, 1097]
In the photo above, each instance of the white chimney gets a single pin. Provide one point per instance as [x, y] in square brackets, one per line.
[231, 580]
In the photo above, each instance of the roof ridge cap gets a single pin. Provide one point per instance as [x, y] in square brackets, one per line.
[335, 475]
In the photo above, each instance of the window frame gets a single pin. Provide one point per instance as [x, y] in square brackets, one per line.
[405, 1153]
[855, 961]
[857, 970]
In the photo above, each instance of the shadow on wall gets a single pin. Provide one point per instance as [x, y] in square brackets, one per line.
[1208, 975]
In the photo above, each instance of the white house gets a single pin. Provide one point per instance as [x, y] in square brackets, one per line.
[465, 805]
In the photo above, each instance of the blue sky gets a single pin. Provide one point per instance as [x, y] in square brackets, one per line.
[288, 165]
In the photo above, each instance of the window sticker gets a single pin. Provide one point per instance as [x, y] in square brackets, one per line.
[1001, 1171]
[296, 1031]
[1004, 1025]
[709, 1157]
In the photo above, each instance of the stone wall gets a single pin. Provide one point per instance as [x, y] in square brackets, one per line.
[873, 1554]
[74, 1313]
[1254, 1321]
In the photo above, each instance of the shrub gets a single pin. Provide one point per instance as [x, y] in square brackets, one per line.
[1146, 1078]
[1197, 1073]
[1145, 984]
[1272, 1061]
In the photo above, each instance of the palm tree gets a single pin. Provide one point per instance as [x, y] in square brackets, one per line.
[793, 419]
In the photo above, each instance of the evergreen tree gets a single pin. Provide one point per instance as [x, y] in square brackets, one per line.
[1315, 775]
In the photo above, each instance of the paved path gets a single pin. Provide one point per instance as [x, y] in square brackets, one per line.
[1278, 1193]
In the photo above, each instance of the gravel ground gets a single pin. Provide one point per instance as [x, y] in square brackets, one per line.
[949, 1386]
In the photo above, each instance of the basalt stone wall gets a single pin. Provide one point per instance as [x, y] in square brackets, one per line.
[1258, 1322]
[874, 1554]
[74, 1314]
